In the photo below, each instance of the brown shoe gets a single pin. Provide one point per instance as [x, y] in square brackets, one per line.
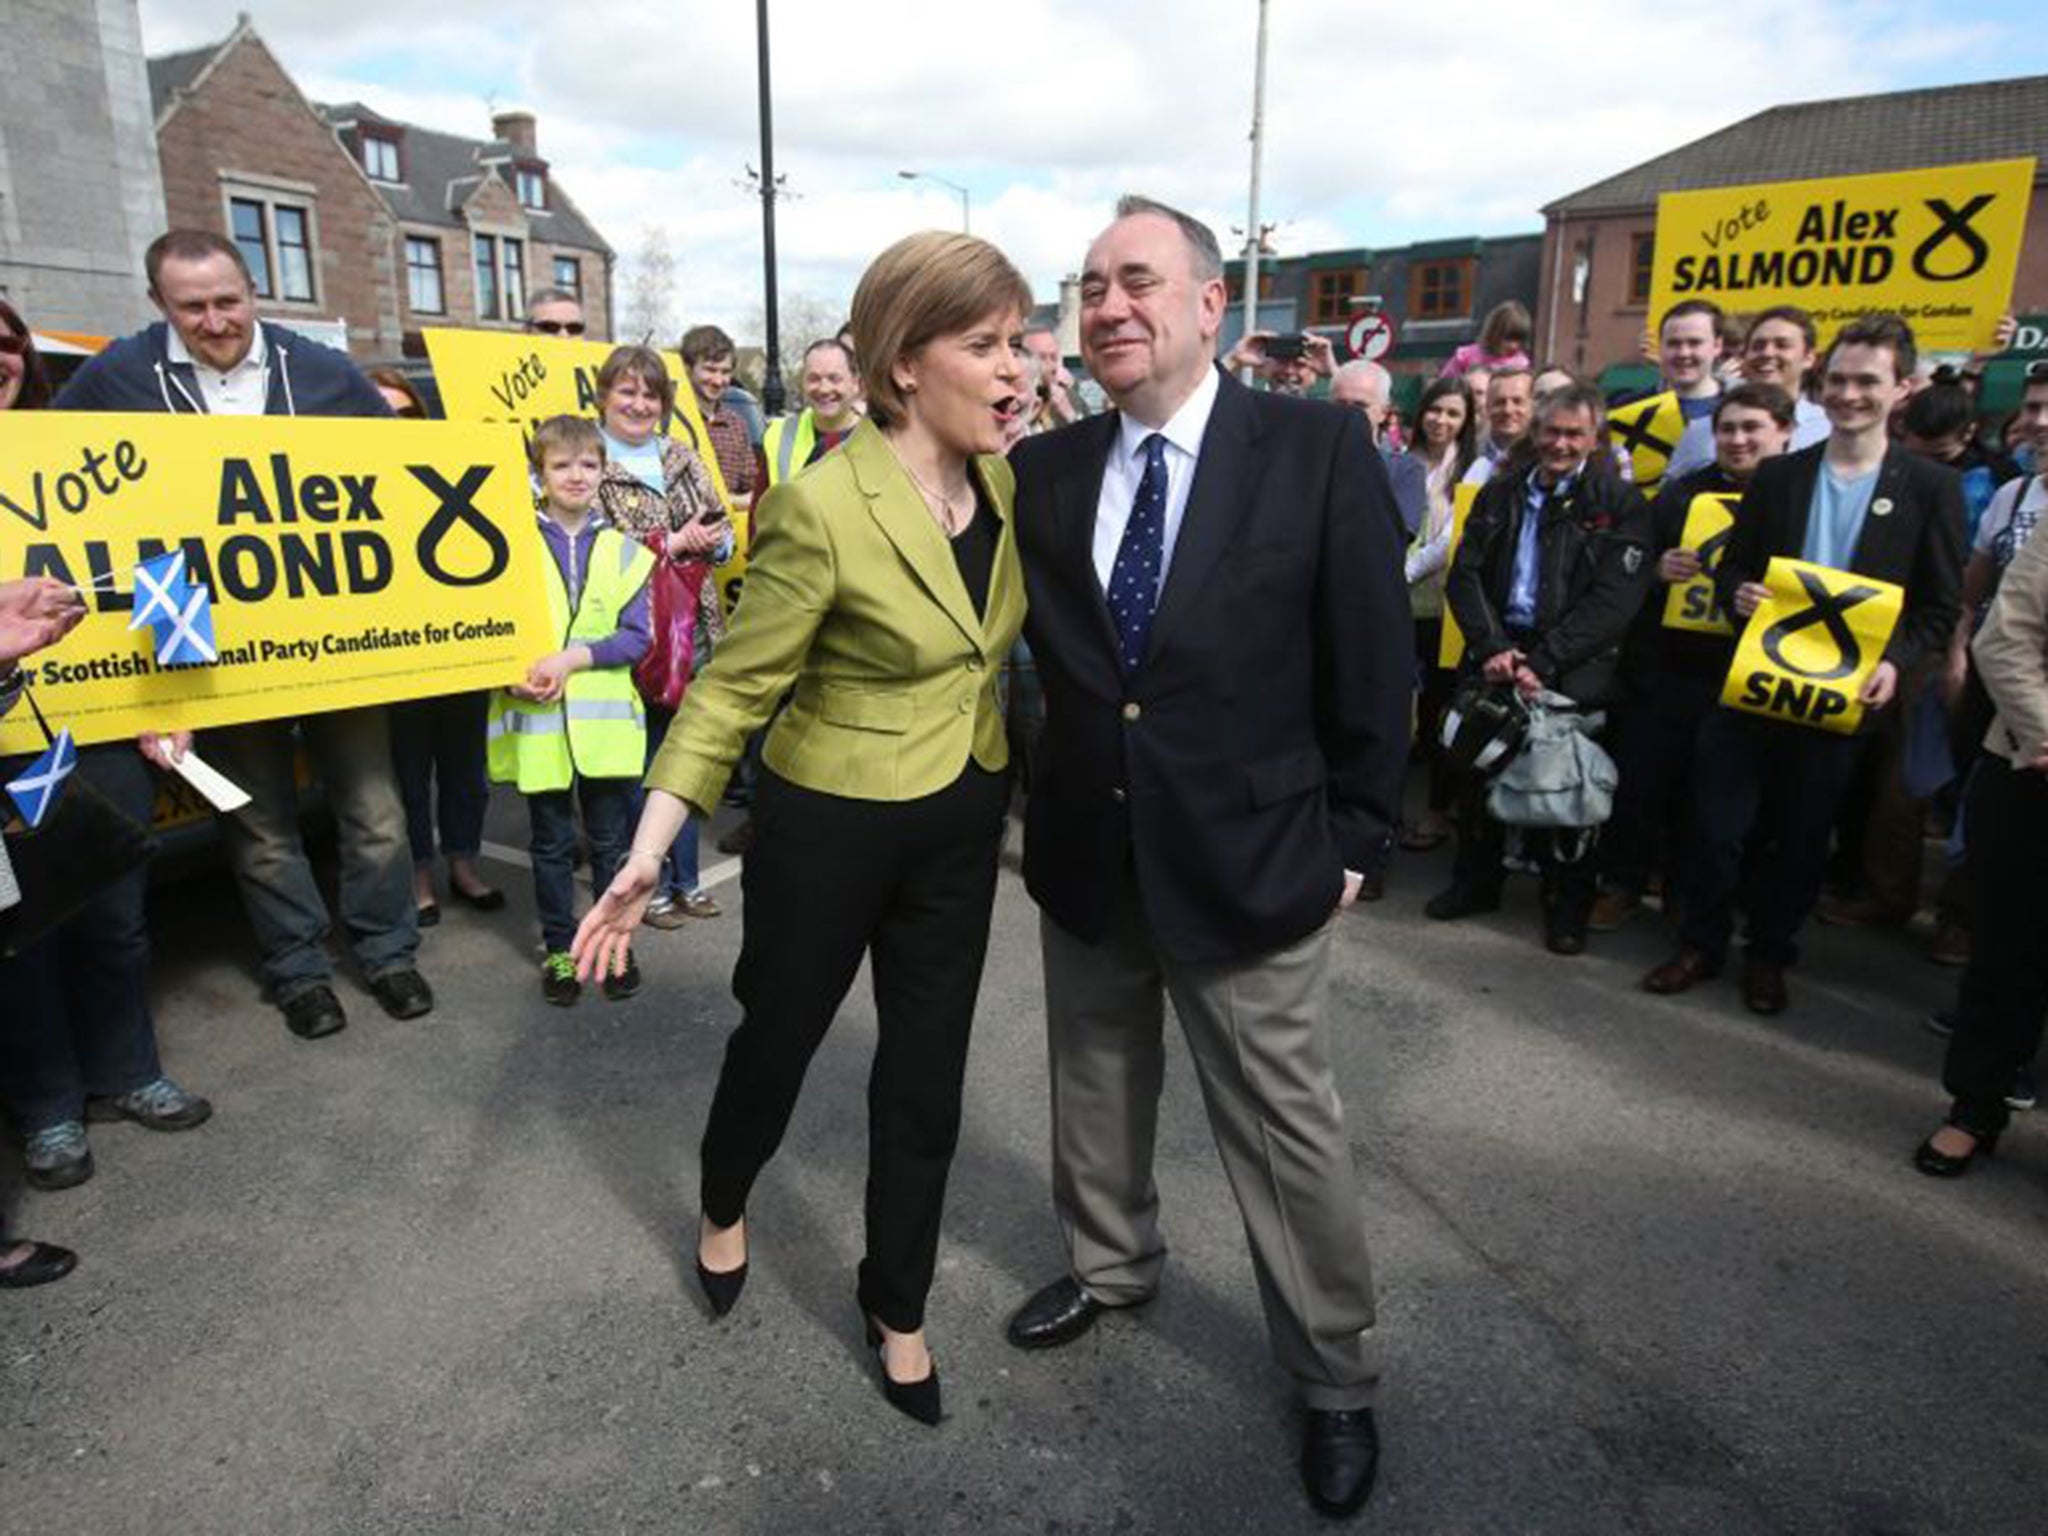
[1763, 987]
[1862, 912]
[1612, 909]
[1681, 971]
[1951, 946]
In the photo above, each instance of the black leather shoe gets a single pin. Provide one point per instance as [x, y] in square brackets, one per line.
[1340, 1454]
[45, 1262]
[403, 994]
[1448, 906]
[919, 1399]
[1564, 938]
[722, 1287]
[1057, 1315]
[313, 1013]
[1937, 1164]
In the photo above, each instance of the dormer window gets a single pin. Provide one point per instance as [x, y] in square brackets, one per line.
[533, 188]
[380, 158]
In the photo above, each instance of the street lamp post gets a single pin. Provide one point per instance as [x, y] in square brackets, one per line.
[771, 381]
[965, 227]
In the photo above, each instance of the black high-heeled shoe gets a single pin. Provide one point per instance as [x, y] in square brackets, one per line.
[722, 1287]
[1937, 1164]
[920, 1398]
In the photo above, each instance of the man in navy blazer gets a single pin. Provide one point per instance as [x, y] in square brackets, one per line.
[1221, 628]
[1855, 502]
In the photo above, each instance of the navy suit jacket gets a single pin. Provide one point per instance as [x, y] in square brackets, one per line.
[1258, 751]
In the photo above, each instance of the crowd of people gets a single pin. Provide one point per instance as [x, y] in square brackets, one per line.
[953, 563]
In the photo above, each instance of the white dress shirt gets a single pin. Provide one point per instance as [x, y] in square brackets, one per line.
[244, 390]
[1126, 469]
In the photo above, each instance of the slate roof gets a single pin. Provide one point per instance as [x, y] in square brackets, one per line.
[1944, 125]
[442, 171]
[174, 71]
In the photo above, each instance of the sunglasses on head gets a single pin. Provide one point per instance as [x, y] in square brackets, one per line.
[559, 327]
[2037, 372]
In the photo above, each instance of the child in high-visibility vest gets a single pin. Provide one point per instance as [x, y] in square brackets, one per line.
[575, 730]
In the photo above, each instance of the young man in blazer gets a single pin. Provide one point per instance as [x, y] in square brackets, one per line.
[1221, 627]
[1858, 503]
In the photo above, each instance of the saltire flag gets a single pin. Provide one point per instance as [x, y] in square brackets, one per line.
[1649, 430]
[160, 589]
[37, 788]
[185, 639]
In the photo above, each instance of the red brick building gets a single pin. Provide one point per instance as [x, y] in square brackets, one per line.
[1598, 242]
[352, 219]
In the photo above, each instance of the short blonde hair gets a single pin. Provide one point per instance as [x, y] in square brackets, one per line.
[922, 287]
[565, 434]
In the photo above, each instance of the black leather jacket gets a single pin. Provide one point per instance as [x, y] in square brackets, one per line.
[1596, 559]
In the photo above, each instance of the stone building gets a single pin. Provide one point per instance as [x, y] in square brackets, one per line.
[360, 228]
[80, 197]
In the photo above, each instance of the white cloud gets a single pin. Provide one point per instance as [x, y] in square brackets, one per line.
[1384, 124]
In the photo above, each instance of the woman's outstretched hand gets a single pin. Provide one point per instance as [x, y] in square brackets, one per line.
[605, 935]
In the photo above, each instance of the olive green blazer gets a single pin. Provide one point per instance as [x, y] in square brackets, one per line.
[854, 607]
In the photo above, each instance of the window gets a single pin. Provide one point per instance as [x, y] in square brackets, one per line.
[276, 240]
[515, 279]
[569, 275]
[380, 158]
[533, 188]
[423, 275]
[294, 252]
[1642, 256]
[1331, 293]
[1440, 290]
[1235, 286]
[486, 277]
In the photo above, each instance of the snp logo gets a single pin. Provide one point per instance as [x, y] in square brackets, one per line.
[1809, 650]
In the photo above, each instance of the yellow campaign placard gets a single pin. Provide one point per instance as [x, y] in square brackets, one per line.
[1649, 429]
[1451, 644]
[507, 376]
[1690, 604]
[1812, 644]
[1937, 247]
[348, 562]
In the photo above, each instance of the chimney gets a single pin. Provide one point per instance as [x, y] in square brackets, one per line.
[516, 129]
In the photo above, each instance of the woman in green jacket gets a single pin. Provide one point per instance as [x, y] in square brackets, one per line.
[882, 595]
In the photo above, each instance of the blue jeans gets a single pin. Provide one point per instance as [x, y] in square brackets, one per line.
[74, 1008]
[438, 745]
[351, 752]
[607, 818]
[679, 870]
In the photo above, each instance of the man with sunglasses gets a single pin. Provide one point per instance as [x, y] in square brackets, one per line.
[554, 312]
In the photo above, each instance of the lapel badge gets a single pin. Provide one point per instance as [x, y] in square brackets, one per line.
[1881, 507]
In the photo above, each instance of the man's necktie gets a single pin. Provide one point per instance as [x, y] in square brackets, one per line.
[1134, 578]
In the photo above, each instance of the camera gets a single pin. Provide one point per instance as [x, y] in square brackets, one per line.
[1287, 349]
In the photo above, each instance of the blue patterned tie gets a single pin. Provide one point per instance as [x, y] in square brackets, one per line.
[1134, 579]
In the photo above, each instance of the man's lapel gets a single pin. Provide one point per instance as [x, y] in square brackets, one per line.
[1884, 526]
[1225, 473]
[1799, 506]
[1076, 492]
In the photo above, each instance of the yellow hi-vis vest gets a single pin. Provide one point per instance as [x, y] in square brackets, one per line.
[787, 444]
[597, 729]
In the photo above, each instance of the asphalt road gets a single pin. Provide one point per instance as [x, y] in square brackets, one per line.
[1646, 1265]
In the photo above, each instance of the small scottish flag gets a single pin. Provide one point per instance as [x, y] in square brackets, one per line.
[186, 638]
[160, 589]
[40, 783]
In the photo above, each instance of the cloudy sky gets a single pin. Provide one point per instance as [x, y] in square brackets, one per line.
[1385, 122]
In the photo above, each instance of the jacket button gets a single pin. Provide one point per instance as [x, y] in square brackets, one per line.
[967, 706]
[1132, 711]
[1118, 795]
[974, 663]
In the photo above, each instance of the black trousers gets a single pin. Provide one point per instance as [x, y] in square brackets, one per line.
[1569, 860]
[2004, 994]
[1779, 786]
[1656, 742]
[909, 884]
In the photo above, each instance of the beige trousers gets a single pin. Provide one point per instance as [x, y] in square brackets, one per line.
[1255, 1030]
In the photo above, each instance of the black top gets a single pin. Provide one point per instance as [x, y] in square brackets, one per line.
[974, 548]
